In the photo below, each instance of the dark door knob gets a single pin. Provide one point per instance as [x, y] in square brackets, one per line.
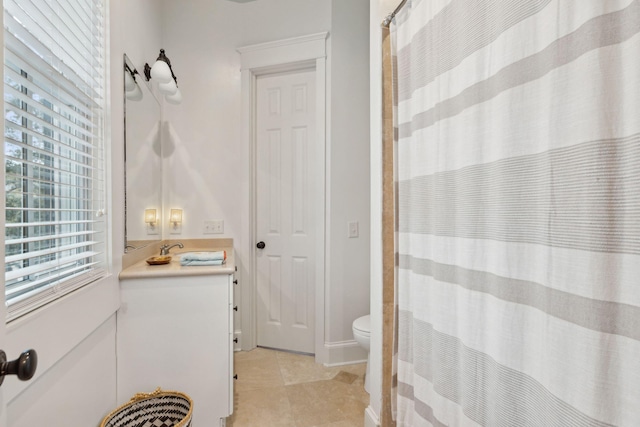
[24, 366]
[260, 245]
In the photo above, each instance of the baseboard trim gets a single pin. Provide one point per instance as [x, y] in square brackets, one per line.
[371, 418]
[344, 353]
[337, 353]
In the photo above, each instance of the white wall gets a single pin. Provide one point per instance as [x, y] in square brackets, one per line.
[348, 279]
[208, 166]
[75, 336]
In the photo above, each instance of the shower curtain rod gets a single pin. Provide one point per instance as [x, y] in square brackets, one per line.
[390, 17]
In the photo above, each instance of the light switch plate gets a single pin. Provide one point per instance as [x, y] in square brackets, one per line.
[353, 229]
[213, 227]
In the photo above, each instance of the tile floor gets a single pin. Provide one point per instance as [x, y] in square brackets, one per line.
[280, 389]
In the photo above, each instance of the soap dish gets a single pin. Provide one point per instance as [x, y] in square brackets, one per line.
[159, 260]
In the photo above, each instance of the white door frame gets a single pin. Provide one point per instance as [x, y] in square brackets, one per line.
[268, 58]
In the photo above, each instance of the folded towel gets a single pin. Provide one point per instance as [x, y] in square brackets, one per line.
[184, 262]
[204, 256]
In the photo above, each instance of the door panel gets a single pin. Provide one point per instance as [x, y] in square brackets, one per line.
[285, 128]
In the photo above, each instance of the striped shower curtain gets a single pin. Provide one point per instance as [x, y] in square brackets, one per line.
[518, 202]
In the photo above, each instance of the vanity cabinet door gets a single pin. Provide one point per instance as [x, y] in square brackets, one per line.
[174, 333]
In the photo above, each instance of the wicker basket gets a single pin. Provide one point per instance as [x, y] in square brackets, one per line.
[157, 409]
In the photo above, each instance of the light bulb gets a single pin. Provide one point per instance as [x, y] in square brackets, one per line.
[161, 72]
[168, 88]
[176, 98]
[135, 94]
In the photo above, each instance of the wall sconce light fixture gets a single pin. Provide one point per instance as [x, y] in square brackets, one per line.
[162, 73]
[175, 218]
[151, 218]
[131, 88]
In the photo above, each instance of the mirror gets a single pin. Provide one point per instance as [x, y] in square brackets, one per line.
[143, 160]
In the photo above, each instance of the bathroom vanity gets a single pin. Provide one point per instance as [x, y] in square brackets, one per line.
[175, 331]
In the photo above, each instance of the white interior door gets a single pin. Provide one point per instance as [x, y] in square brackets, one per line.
[285, 134]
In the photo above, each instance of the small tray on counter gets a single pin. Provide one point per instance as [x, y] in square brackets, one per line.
[159, 260]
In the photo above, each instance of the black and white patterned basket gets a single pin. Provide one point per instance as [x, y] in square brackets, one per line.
[157, 409]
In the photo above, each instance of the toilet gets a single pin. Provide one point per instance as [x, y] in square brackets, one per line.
[361, 332]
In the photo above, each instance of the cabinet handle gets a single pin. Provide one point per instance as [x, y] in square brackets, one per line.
[235, 282]
[235, 308]
[235, 340]
[235, 377]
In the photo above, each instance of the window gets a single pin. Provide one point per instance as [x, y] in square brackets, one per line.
[54, 99]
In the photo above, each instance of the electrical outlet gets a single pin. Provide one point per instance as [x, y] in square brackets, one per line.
[214, 227]
[353, 229]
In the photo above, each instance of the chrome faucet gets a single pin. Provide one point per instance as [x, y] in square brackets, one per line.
[164, 249]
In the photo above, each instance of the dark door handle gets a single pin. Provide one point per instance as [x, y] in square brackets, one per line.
[260, 245]
[24, 366]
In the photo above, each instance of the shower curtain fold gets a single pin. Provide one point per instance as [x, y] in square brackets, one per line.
[517, 140]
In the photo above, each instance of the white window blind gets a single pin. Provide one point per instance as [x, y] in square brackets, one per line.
[54, 93]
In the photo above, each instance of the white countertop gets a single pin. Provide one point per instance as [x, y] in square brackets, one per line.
[141, 269]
